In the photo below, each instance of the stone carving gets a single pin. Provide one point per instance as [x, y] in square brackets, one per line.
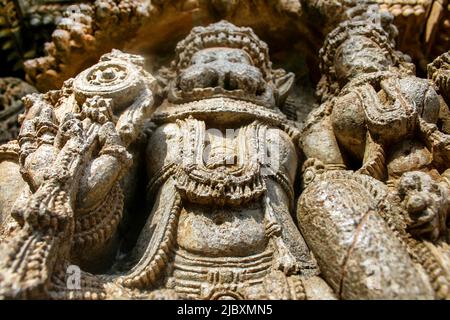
[219, 205]
[58, 39]
[122, 184]
[437, 29]
[25, 25]
[439, 73]
[411, 19]
[376, 184]
[88, 30]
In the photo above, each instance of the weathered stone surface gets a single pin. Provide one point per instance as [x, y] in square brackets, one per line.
[177, 175]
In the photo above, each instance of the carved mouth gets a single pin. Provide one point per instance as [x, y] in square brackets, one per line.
[264, 98]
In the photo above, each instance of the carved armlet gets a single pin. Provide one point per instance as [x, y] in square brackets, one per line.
[437, 141]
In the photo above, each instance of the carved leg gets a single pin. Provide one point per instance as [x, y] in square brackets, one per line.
[357, 252]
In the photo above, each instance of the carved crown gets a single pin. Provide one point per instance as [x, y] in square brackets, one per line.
[377, 29]
[227, 35]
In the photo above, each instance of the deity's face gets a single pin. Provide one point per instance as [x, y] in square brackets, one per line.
[359, 55]
[225, 69]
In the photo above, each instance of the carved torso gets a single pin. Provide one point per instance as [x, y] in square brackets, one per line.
[226, 173]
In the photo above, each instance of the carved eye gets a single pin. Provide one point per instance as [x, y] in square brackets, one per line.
[203, 59]
[208, 58]
[234, 59]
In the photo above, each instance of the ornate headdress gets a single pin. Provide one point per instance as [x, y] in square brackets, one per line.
[371, 23]
[224, 34]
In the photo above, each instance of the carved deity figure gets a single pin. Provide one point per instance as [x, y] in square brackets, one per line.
[221, 161]
[201, 165]
[439, 73]
[375, 205]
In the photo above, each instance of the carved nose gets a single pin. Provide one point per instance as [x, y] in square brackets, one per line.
[226, 81]
[198, 78]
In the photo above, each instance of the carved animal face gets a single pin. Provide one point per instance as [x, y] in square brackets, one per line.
[426, 202]
[359, 55]
[223, 71]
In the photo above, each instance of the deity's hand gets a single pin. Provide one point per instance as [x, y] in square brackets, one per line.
[110, 158]
[313, 168]
[426, 202]
[287, 263]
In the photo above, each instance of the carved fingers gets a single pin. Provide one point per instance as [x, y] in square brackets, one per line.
[285, 261]
[112, 145]
[442, 79]
[130, 122]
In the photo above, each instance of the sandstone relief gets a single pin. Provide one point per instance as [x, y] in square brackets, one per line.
[231, 167]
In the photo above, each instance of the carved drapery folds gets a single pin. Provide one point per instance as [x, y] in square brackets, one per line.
[184, 182]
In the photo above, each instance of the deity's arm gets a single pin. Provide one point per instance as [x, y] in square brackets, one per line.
[12, 90]
[102, 194]
[25, 163]
[12, 185]
[109, 102]
[318, 140]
